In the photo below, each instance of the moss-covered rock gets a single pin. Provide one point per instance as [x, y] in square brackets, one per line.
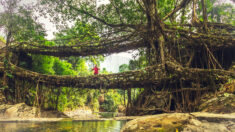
[158, 123]
[222, 103]
[182, 122]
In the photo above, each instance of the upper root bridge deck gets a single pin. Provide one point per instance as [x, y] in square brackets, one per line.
[109, 46]
[80, 50]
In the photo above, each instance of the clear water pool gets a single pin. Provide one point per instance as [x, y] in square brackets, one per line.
[63, 126]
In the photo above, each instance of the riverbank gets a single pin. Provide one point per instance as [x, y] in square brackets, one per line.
[23, 112]
[217, 115]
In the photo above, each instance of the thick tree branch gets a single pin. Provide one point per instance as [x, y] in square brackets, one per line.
[102, 20]
[180, 6]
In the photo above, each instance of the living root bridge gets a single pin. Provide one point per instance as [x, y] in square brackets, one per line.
[150, 76]
[81, 50]
[86, 50]
[189, 40]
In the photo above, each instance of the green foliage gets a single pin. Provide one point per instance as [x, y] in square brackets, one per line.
[63, 67]
[130, 11]
[80, 32]
[21, 25]
[92, 99]
[221, 13]
[108, 114]
[71, 99]
[104, 71]
[165, 6]
[82, 68]
[112, 100]
[9, 75]
[109, 104]
[2, 39]
[135, 64]
[43, 64]
[123, 68]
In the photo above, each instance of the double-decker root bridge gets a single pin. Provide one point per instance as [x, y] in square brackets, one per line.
[154, 75]
[186, 57]
[183, 54]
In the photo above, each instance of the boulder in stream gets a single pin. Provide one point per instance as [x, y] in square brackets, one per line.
[183, 122]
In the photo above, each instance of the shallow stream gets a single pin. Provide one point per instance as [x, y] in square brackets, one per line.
[63, 126]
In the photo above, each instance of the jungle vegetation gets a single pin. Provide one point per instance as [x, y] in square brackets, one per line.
[185, 39]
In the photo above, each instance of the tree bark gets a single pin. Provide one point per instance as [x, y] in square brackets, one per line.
[194, 14]
[6, 60]
[155, 28]
[129, 98]
[204, 15]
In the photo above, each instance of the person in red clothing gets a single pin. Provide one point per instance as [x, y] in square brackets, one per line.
[96, 70]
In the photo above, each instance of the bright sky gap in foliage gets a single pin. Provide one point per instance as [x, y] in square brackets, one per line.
[111, 62]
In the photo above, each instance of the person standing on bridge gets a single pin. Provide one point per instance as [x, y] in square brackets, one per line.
[96, 70]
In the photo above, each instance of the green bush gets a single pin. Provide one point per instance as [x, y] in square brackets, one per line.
[108, 114]
[109, 105]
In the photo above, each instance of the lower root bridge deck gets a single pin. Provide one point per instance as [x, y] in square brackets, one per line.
[144, 78]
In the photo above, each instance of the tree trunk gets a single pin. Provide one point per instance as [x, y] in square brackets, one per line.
[125, 98]
[57, 97]
[6, 60]
[204, 15]
[129, 98]
[155, 28]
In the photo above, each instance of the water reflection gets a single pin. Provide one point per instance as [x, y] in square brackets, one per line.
[63, 126]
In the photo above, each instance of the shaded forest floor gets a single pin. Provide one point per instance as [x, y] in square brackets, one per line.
[221, 103]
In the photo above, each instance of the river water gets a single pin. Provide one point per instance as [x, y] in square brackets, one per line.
[63, 126]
